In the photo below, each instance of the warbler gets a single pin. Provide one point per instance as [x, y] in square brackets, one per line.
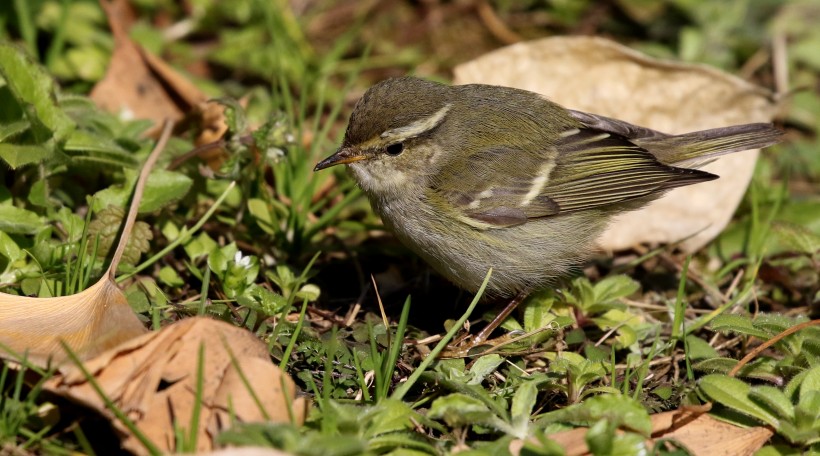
[472, 177]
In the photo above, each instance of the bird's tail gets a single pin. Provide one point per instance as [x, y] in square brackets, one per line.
[700, 146]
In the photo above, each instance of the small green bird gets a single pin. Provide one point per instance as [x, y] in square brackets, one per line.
[476, 176]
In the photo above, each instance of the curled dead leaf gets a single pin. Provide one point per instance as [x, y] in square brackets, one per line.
[701, 434]
[90, 322]
[603, 77]
[140, 84]
[153, 379]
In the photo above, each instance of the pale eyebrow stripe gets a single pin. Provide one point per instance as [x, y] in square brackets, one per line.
[419, 126]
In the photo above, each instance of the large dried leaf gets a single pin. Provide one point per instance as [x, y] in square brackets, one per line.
[153, 379]
[90, 322]
[701, 434]
[602, 77]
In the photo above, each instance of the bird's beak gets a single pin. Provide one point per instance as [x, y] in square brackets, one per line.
[342, 156]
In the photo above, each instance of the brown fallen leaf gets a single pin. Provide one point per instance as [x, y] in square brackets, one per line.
[140, 84]
[695, 429]
[153, 379]
[603, 77]
[91, 321]
[130, 87]
[704, 435]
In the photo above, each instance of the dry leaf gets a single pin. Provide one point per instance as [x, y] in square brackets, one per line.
[704, 435]
[602, 77]
[701, 434]
[153, 379]
[90, 322]
[145, 86]
[129, 86]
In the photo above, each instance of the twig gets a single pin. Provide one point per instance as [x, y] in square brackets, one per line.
[769, 343]
[131, 218]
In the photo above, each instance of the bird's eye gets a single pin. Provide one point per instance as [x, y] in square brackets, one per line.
[395, 149]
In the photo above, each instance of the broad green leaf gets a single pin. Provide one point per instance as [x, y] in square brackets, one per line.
[797, 237]
[792, 388]
[38, 193]
[738, 324]
[458, 409]
[615, 287]
[169, 276]
[12, 129]
[388, 416]
[71, 223]
[86, 141]
[17, 155]
[219, 258]
[482, 367]
[524, 400]
[163, 188]
[200, 245]
[14, 220]
[263, 216]
[774, 400]
[32, 86]
[537, 309]
[629, 443]
[698, 348]
[309, 291]
[810, 383]
[9, 248]
[600, 437]
[733, 393]
[622, 411]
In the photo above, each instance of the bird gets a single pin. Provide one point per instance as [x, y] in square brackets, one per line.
[472, 177]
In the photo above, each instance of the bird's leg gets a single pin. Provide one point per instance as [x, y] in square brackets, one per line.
[484, 334]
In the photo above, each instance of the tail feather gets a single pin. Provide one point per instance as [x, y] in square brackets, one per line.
[697, 147]
[708, 144]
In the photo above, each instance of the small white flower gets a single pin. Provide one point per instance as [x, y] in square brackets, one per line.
[244, 261]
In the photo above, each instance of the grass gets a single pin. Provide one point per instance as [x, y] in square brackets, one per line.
[642, 332]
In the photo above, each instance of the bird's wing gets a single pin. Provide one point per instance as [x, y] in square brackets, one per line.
[586, 168]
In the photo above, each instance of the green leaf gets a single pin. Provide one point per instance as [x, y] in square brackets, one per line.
[600, 437]
[810, 383]
[797, 237]
[169, 276]
[738, 324]
[458, 410]
[17, 155]
[524, 400]
[484, 366]
[200, 246]
[163, 188]
[615, 287]
[32, 86]
[9, 248]
[389, 416]
[263, 216]
[234, 115]
[14, 220]
[622, 411]
[733, 393]
[309, 291]
[698, 348]
[774, 400]
[13, 129]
